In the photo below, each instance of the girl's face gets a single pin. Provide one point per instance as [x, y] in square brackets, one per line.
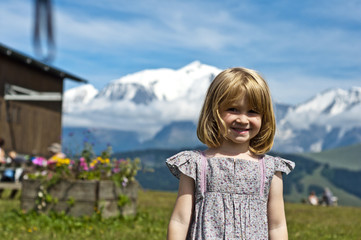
[242, 123]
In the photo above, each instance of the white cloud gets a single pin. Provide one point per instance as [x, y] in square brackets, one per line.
[144, 119]
[182, 27]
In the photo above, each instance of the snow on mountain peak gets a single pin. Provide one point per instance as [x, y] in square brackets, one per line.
[83, 93]
[326, 108]
[193, 66]
[160, 84]
[320, 102]
[332, 101]
[78, 96]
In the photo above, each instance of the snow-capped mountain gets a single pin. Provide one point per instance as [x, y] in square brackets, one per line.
[161, 84]
[145, 101]
[326, 107]
[149, 102]
[78, 96]
[330, 119]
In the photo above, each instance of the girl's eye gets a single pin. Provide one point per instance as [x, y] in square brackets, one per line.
[232, 110]
[253, 112]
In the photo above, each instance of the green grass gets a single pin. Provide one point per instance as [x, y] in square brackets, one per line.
[304, 222]
[316, 222]
[150, 223]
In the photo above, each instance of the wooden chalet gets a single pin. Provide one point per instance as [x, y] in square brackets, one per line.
[30, 102]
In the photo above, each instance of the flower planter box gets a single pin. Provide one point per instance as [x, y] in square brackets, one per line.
[82, 197]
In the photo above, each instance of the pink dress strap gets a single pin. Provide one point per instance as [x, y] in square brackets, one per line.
[203, 175]
[262, 176]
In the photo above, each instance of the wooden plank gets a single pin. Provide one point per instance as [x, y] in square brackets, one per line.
[107, 190]
[87, 196]
[30, 189]
[109, 208]
[27, 204]
[78, 190]
[131, 190]
[77, 210]
[12, 185]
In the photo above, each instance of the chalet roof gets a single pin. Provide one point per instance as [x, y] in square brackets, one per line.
[17, 56]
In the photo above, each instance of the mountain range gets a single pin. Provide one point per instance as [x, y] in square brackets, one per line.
[159, 109]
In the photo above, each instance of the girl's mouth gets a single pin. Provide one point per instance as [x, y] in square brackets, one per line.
[240, 130]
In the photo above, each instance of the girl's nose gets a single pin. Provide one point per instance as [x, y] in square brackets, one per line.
[241, 118]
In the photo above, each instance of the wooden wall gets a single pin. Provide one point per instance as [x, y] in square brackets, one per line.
[29, 127]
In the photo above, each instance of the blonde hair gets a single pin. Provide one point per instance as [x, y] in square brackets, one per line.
[226, 88]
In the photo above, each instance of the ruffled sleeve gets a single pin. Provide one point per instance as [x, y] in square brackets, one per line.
[184, 162]
[283, 165]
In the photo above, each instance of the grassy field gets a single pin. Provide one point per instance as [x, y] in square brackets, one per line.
[304, 222]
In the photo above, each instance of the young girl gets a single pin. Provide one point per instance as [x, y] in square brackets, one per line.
[232, 190]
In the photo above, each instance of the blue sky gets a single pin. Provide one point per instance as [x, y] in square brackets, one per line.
[300, 47]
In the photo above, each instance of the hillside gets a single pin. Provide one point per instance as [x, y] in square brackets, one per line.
[346, 157]
[310, 175]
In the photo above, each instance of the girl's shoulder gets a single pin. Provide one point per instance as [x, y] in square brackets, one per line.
[184, 162]
[187, 154]
[279, 164]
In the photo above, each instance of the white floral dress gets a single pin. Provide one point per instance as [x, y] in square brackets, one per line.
[230, 194]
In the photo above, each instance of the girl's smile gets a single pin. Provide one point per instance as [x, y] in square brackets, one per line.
[241, 132]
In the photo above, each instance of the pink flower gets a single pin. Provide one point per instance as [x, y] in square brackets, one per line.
[83, 164]
[39, 161]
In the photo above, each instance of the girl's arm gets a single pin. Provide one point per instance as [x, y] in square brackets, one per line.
[2, 156]
[277, 225]
[182, 213]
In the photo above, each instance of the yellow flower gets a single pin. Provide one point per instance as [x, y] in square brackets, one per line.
[60, 161]
[93, 163]
[103, 161]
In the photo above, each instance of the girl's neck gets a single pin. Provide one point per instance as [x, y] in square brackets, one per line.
[231, 152]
